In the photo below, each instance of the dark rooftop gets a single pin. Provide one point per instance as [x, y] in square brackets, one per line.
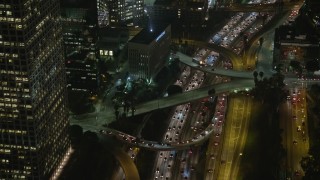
[170, 3]
[86, 4]
[113, 32]
[146, 36]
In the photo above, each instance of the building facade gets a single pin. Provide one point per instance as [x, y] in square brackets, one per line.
[103, 13]
[125, 12]
[188, 12]
[33, 112]
[148, 50]
[80, 22]
[293, 44]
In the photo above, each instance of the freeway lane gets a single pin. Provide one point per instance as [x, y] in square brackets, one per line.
[258, 7]
[239, 114]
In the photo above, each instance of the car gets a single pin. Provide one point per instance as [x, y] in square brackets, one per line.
[295, 142]
[210, 170]
[216, 143]
[298, 128]
[212, 156]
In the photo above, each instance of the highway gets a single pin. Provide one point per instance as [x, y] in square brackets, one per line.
[230, 168]
[262, 7]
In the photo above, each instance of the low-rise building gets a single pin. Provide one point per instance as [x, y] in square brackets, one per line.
[148, 50]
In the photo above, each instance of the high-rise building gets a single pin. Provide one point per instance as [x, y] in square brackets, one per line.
[103, 13]
[125, 12]
[187, 12]
[33, 112]
[79, 25]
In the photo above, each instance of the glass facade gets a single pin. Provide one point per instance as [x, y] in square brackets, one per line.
[33, 112]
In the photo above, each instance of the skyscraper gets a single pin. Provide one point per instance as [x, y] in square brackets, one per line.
[125, 12]
[33, 113]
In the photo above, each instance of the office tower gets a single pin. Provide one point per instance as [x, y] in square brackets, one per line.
[103, 13]
[125, 12]
[33, 112]
[187, 12]
[148, 50]
[79, 25]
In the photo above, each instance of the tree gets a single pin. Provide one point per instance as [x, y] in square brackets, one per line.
[174, 89]
[312, 65]
[255, 74]
[211, 92]
[296, 66]
[76, 133]
[79, 102]
[261, 74]
[311, 163]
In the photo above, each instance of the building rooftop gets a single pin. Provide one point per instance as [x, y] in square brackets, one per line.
[86, 4]
[147, 35]
[113, 32]
[299, 31]
[170, 3]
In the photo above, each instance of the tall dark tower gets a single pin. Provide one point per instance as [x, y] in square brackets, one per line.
[33, 112]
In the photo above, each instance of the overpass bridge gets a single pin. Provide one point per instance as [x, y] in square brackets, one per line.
[261, 7]
[189, 96]
[94, 122]
[237, 84]
[235, 59]
[244, 83]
